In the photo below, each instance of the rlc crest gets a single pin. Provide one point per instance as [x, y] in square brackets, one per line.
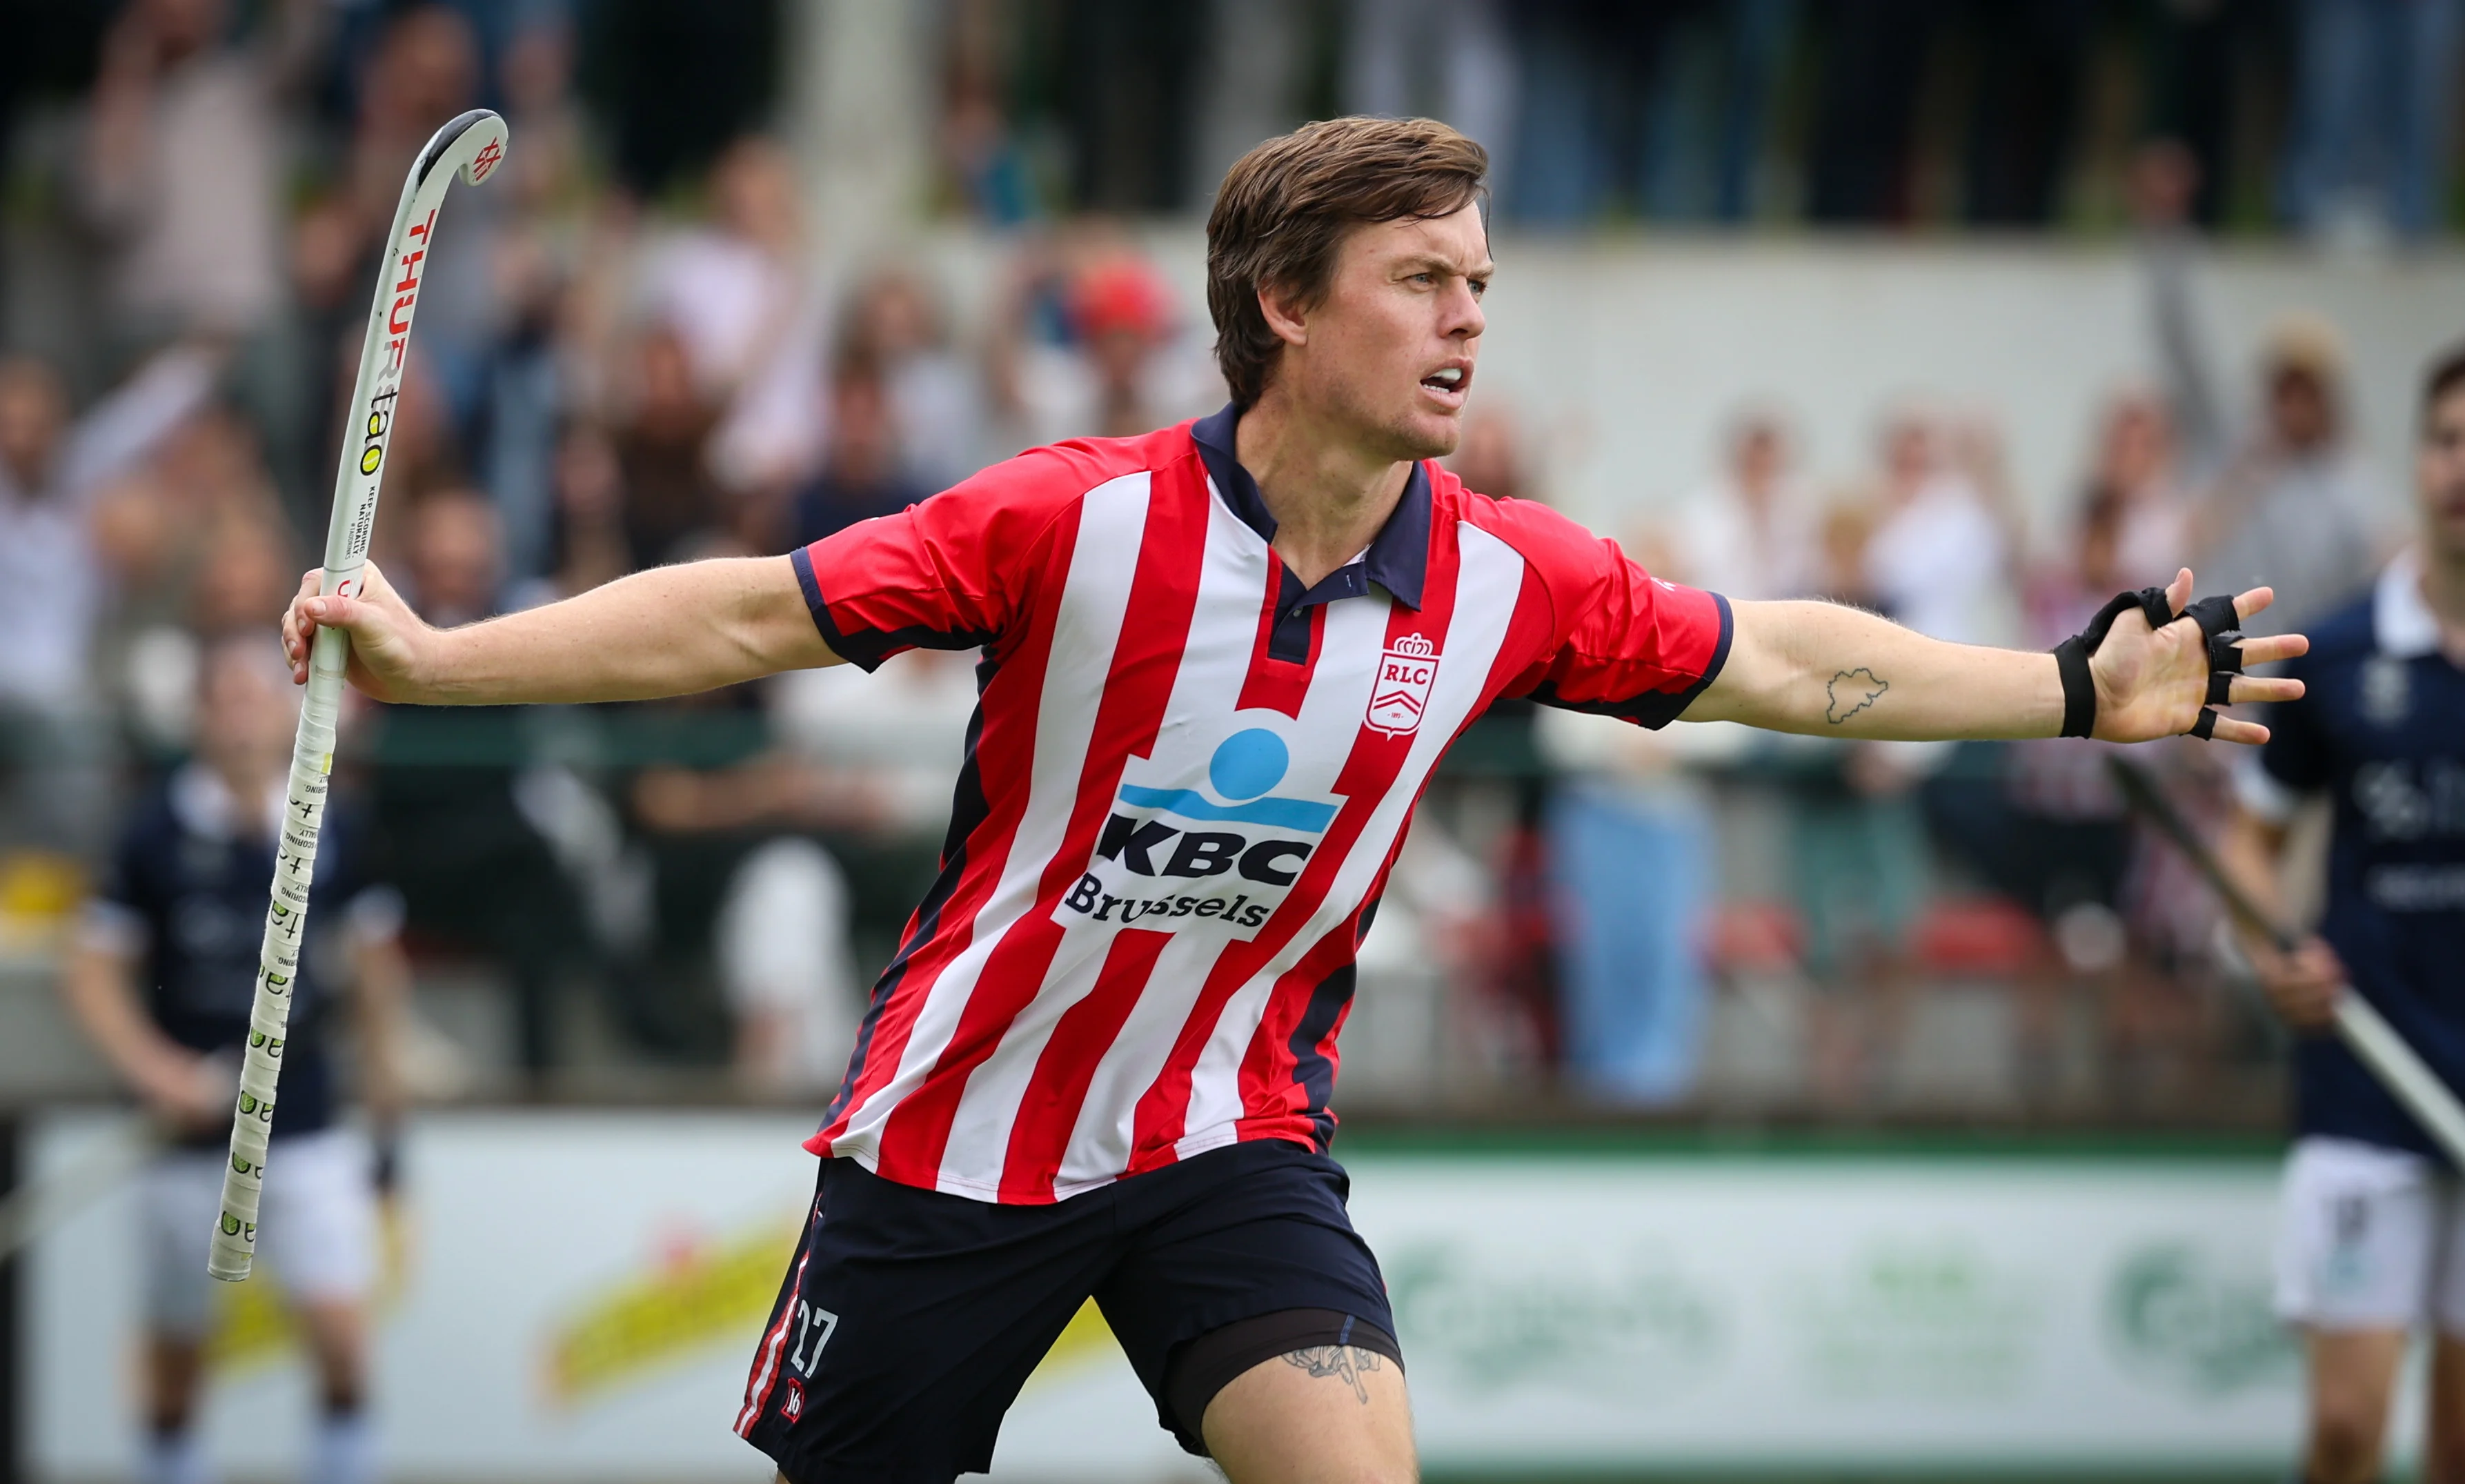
[1402, 691]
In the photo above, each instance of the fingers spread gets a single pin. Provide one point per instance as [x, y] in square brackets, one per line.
[2178, 592]
[2252, 601]
[2273, 648]
[2248, 688]
[2250, 733]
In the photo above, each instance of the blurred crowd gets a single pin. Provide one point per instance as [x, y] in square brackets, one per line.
[2332, 117]
[633, 348]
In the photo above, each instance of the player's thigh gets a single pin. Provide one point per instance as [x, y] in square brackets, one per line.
[179, 1195]
[1329, 1414]
[2359, 1238]
[317, 1226]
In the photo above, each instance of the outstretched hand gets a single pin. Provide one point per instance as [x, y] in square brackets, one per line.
[389, 643]
[2152, 683]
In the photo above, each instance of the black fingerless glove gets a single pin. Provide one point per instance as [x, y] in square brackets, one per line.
[2215, 617]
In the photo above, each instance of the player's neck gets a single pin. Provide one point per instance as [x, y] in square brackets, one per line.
[2443, 592]
[1328, 494]
[247, 786]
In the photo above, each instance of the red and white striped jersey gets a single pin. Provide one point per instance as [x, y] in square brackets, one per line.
[1187, 779]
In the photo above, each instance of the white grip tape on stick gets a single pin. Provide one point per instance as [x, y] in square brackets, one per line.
[286, 917]
[471, 146]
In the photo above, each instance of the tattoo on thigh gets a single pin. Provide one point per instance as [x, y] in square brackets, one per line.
[1348, 1363]
[1851, 692]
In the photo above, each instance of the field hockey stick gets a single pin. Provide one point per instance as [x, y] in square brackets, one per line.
[471, 146]
[2399, 1068]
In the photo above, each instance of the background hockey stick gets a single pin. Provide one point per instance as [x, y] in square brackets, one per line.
[2370, 1035]
[471, 146]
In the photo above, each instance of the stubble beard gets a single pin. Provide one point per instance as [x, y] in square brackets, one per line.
[1394, 436]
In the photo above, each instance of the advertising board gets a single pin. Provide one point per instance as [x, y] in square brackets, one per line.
[577, 1295]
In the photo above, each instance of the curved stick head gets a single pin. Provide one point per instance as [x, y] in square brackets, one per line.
[472, 144]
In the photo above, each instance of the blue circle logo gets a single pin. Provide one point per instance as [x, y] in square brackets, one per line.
[1248, 763]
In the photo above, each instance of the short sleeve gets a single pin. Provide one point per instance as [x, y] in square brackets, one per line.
[1627, 644]
[117, 918]
[952, 572]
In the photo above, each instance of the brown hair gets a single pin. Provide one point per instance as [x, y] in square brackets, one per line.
[2445, 375]
[1287, 206]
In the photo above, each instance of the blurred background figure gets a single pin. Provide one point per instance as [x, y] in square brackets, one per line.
[2287, 491]
[2374, 122]
[1092, 345]
[1749, 533]
[475, 872]
[53, 585]
[161, 980]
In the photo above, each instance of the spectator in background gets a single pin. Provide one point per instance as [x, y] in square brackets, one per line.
[52, 588]
[672, 501]
[2135, 471]
[1610, 861]
[2289, 496]
[1750, 534]
[1118, 367]
[740, 297]
[180, 167]
[1663, 108]
[861, 476]
[2374, 115]
[547, 191]
[2297, 500]
[424, 71]
[474, 870]
[1454, 61]
[936, 398]
[1938, 558]
[587, 540]
[985, 168]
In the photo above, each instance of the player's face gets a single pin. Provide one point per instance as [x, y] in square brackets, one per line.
[246, 712]
[2439, 476]
[1390, 350]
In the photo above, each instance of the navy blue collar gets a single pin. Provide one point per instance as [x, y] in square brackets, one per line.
[1398, 559]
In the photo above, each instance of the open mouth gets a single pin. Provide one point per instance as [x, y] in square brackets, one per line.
[1451, 381]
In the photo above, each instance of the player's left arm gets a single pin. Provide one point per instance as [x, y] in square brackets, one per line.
[1830, 671]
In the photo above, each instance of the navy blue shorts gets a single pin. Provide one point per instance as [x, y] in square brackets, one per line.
[910, 1318]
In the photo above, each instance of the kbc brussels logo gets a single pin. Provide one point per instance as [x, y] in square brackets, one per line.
[1173, 858]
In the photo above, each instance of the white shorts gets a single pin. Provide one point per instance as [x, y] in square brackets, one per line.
[2370, 1238]
[316, 1227]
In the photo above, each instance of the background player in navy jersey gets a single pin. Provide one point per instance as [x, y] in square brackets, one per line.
[162, 978]
[2373, 1236]
[1220, 662]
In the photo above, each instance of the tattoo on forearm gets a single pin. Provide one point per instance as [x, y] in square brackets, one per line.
[1853, 691]
[1346, 1361]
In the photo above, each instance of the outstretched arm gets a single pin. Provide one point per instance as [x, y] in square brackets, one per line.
[1830, 671]
[668, 631]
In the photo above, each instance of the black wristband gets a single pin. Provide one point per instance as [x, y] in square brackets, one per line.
[2080, 687]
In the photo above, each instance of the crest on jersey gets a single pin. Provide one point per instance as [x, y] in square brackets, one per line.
[2387, 693]
[1402, 691]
